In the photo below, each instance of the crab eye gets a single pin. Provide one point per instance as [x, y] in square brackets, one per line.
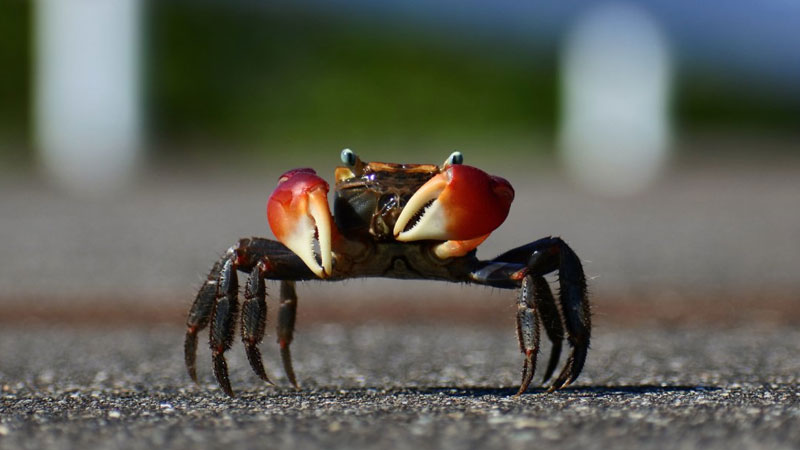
[455, 158]
[349, 157]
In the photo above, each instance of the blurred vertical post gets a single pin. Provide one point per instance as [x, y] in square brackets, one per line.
[616, 77]
[87, 91]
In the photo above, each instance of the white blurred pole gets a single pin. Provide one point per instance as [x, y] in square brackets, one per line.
[616, 74]
[87, 91]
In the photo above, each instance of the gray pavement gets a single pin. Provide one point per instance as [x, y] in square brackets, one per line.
[695, 286]
[706, 226]
[401, 386]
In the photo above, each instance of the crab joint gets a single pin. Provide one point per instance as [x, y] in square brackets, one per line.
[299, 216]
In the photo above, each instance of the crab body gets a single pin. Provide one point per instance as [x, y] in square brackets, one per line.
[405, 221]
[367, 206]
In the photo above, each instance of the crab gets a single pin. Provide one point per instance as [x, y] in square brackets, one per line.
[405, 221]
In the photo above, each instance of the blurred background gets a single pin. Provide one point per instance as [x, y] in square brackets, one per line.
[140, 139]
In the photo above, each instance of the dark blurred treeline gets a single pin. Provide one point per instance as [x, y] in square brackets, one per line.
[251, 77]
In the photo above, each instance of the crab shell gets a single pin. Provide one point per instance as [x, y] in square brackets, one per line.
[454, 206]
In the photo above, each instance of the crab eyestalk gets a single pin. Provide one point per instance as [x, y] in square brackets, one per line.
[299, 216]
[460, 203]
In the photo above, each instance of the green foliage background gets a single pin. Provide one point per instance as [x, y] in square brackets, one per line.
[265, 80]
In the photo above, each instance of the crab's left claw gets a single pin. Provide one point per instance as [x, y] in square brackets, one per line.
[460, 203]
[299, 217]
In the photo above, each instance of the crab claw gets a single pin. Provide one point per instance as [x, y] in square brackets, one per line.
[460, 203]
[299, 216]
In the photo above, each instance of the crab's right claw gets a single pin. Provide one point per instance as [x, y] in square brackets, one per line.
[299, 217]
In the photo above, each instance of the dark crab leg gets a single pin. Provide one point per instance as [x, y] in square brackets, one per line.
[254, 319]
[527, 331]
[198, 318]
[525, 266]
[547, 255]
[537, 259]
[226, 309]
[575, 307]
[286, 317]
[551, 319]
[214, 301]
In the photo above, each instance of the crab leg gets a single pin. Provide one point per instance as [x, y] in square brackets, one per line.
[551, 319]
[222, 325]
[263, 259]
[537, 259]
[527, 331]
[551, 254]
[575, 307]
[199, 316]
[254, 318]
[287, 313]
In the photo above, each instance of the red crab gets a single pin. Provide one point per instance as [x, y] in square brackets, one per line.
[408, 221]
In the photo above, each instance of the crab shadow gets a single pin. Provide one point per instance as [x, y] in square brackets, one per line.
[596, 391]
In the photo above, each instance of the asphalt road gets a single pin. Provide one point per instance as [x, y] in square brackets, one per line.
[694, 285]
[710, 226]
[401, 386]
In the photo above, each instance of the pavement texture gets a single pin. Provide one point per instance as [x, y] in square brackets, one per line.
[401, 386]
[694, 284]
[707, 226]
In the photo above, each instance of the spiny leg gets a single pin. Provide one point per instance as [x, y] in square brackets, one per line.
[254, 318]
[538, 259]
[527, 331]
[217, 302]
[577, 316]
[551, 319]
[223, 323]
[198, 318]
[287, 313]
[551, 254]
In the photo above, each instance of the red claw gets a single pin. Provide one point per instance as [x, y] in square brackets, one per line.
[299, 216]
[460, 203]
